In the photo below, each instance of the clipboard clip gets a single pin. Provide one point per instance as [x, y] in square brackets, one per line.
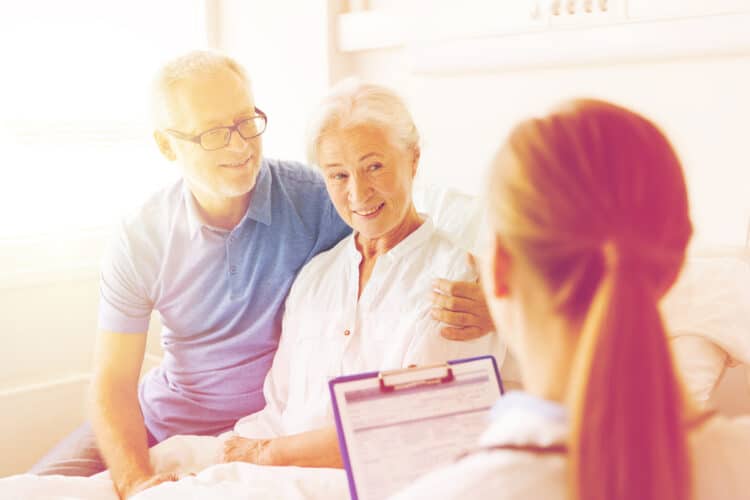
[385, 386]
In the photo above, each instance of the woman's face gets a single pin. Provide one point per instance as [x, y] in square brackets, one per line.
[368, 177]
[503, 295]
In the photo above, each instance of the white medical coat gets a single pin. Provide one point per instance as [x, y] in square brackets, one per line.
[720, 447]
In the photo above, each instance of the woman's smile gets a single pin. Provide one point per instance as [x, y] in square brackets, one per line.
[370, 213]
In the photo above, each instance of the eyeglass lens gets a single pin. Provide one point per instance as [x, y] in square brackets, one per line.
[220, 137]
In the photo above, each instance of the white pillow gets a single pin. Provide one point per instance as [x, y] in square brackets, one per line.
[711, 299]
[458, 215]
[701, 364]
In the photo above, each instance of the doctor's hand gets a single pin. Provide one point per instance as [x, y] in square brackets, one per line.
[461, 306]
[241, 449]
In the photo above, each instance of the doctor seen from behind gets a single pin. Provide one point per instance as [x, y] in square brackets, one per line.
[589, 223]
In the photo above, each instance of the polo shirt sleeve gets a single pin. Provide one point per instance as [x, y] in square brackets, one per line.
[268, 422]
[124, 304]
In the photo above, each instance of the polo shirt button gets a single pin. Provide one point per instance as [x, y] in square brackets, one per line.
[232, 269]
[347, 332]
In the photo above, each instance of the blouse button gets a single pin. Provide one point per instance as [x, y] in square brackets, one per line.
[347, 332]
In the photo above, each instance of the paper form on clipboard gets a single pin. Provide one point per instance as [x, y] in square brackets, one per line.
[395, 426]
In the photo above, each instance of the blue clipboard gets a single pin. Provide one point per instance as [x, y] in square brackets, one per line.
[379, 387]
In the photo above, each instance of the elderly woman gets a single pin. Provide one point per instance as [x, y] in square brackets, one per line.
[590, 224]
[361, 306]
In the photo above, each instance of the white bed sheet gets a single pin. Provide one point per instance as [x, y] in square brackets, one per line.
[225, 481]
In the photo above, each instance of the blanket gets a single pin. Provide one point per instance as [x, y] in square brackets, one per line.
[226, 481]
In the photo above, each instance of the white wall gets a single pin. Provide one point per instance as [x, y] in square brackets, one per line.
[47, 330]
[284, 47]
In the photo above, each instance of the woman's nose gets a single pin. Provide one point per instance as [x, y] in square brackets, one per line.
[359, 190]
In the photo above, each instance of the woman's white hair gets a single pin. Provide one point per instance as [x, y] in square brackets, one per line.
[351, 103]
[185, 67]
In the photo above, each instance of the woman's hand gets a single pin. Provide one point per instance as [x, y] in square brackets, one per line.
[254, 451]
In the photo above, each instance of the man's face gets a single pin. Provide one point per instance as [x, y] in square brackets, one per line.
[204, 103]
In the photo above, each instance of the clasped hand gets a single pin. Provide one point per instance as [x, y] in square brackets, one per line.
[241, 449]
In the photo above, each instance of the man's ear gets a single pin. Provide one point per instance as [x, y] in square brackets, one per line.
[415, 161]
[501, 263]
[165, 146]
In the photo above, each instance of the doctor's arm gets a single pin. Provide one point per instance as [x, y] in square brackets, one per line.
[116, 415]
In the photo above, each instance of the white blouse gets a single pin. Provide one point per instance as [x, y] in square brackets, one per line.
[328, 332]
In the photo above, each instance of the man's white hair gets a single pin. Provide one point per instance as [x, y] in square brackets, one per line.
[351, 103]
[185, 67]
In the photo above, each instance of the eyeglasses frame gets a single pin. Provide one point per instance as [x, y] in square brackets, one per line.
[234, 128]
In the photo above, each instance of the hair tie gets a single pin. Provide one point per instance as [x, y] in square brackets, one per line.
[611, 254]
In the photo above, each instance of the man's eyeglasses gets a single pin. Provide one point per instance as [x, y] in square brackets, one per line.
[219, 137]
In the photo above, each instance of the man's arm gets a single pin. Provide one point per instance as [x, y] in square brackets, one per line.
[461, 306]
[318, 448]
[115, 412]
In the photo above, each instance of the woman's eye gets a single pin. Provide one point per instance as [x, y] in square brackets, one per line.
[376, 166]
[338, 177]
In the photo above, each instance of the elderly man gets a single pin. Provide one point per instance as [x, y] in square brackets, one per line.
[215, 255]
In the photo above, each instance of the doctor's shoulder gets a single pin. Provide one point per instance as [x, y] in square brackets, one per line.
[496, 475]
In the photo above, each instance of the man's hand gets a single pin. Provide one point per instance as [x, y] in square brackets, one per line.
[146, 483]
[462, 307]
[254, 451]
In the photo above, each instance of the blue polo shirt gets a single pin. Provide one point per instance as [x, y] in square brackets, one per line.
[220, 294]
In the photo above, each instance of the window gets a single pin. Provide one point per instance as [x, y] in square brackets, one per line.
[75, 137]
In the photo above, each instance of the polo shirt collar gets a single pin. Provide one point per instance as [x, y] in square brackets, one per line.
[258, 210]
[194, 219]
[260, 199]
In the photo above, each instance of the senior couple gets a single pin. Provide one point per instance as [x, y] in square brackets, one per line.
[216, 255]
[363, 305]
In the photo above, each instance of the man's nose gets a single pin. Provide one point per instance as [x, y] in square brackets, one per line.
[236, 142]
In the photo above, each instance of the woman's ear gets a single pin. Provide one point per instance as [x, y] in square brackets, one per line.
[500, 267]
[165, 146]
[415, 161]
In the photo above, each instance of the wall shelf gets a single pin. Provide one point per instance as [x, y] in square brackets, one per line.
[623, 42]
[450, 40]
